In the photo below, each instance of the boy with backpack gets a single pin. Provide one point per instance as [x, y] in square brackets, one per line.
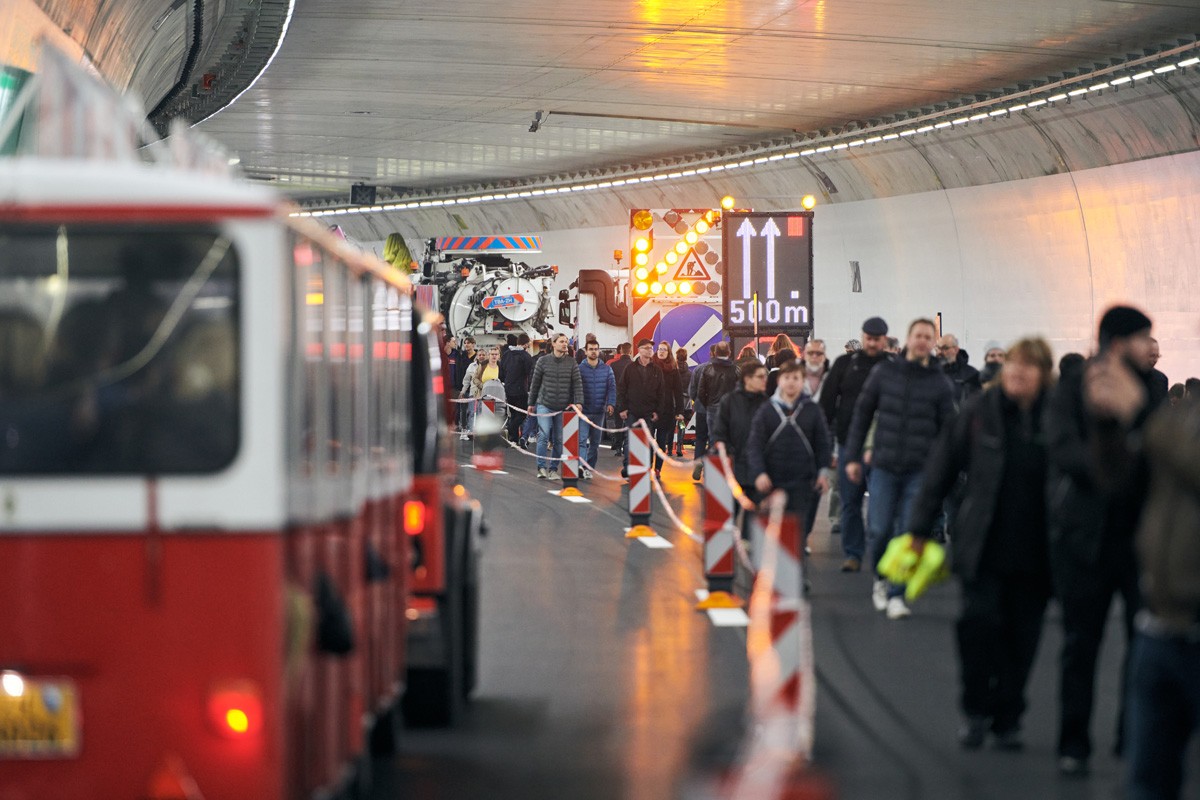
[790, 443]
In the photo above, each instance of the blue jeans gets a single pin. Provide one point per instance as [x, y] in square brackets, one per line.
[549, 438]
[701, 432]
[1163, 714]
[851, 495]
[892, 496]
[589, 437]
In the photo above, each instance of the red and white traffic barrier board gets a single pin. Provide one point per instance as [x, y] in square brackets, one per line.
[639, 481]
[720, 536]
[782, 675]
[570, 451]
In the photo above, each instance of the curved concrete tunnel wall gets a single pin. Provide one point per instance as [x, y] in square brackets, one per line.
[1041, 255]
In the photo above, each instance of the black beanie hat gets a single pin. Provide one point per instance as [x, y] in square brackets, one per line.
[1121, 321]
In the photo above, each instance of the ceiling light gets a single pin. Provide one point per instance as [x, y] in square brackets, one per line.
[1055, 98]
[1165, 69]
[1147, 74]
[1121, 81]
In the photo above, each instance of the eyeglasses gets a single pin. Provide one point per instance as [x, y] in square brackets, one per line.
[814, 352]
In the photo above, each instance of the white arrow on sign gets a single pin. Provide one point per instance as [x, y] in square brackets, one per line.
[746, 232]
[708, 330]
[771, 232]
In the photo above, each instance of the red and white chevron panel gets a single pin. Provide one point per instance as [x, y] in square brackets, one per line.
[570, 438]
[719, 528]
[639, 474]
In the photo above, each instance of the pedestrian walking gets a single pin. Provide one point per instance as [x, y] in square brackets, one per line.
[731, 423]
[555, 385]
[719, 379]
[914, 400]
[599, 402]
[1001, 554]
[1092, 526]
[640, 394]
[1163, 692]
[673, 402]
[789, 444]
[838, 396]
[516, 371]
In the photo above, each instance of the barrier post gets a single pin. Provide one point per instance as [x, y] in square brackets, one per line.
[719, 537]
[639, 481]
[570, 450]
[782, 675]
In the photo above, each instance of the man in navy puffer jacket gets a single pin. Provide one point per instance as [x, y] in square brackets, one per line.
[914, 400]
[599, 399]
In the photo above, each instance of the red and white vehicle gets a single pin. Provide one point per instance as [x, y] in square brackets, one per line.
[211, 414]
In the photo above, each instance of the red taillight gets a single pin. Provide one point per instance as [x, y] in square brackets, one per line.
[171, 781]
[439, 385]
[235, 709]
[414, 517]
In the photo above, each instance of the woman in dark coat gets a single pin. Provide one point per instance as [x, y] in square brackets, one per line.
[1000, 548]
[732, 424]
[670, 412]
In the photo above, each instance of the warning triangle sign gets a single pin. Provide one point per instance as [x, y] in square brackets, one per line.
[692, 269]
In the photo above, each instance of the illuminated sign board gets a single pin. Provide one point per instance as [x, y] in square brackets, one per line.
[768, 272]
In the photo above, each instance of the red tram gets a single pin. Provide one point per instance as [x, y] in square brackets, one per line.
[223, 495]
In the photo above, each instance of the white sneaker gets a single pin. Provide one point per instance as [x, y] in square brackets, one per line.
[879, 596]
[552, 474]
[541, 472]
[586, 475]
[462, 437]
[896, 609]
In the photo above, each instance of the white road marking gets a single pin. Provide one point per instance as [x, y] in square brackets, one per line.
[729, 617]
[655, 542]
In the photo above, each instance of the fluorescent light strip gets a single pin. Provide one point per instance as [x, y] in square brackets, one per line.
[999, 112]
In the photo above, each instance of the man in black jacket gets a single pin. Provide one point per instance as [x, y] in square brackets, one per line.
[719, 378]
[954, 363]
[516, 370]
[914, 400]
[841, 390]
[1091, 527]
[618, 364]
[640, 393]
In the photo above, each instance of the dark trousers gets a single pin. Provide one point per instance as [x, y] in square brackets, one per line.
[998, 634]
[516, 419]
[664, 433]
[1086, 593]
[701, 431]
[1164, 713]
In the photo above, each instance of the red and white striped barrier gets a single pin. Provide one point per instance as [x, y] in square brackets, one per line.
[570, 454]
[782, 674]
[640, 467]
[720, 537]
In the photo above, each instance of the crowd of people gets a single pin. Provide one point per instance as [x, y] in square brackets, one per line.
[1076, 484]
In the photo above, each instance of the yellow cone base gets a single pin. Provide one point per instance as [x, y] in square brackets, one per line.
[719, 600]
[570, 491]
[640, 532]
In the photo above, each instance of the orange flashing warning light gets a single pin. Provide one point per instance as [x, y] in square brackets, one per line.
[641, 259]
[641, 289]
[642, 219]
[808, 202]
[414, 517]
[642, 244]
[685, 287]
[235, 708]
[670, 287]
[727, 202]
[656, 288]
[671, 257]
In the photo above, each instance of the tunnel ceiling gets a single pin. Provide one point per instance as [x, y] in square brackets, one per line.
[425, 95]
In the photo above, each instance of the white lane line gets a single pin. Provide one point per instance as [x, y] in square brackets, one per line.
[655, 542]
[729, 617]
[555, 492]
[492, 471]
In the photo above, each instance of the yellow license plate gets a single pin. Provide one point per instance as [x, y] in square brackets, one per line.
[40, 720]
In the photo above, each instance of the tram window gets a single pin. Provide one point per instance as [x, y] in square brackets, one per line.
[118, 350]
